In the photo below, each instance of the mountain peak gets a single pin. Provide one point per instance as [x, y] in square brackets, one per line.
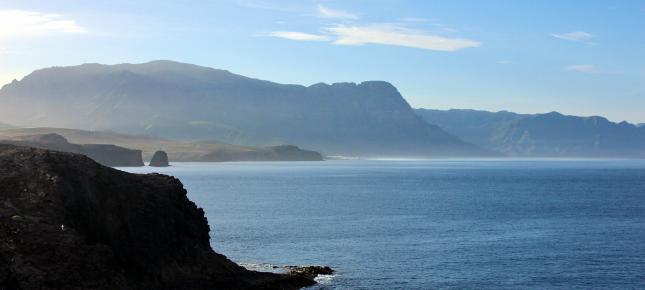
[178, 100]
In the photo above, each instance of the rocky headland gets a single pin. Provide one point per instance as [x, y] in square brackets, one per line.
[67, 222]
[177, 150]
[106, 154]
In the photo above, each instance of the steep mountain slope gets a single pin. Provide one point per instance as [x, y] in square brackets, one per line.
[179, 100]
[477, 127]
[542, 135]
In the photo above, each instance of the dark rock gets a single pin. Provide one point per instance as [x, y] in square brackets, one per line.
[67, 222]
[159, 159]
[310, 271]
[108, 155]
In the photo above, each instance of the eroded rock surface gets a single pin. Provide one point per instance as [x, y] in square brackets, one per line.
[67, 222]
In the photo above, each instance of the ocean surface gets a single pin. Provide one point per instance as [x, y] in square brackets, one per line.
[447, 224]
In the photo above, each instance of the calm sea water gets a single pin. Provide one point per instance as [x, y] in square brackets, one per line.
[431, 224]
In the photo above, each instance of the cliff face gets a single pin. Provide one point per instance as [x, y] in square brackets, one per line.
[199, 103]
[67, 222]
[108, 155]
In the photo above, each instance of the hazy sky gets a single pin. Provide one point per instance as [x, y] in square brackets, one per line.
[576, 57]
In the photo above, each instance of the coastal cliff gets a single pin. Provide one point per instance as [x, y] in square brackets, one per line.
[106, 154]
[176, 150]
[67, 222]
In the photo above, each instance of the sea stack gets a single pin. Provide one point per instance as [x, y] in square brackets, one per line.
[67, 222]
[159, 159]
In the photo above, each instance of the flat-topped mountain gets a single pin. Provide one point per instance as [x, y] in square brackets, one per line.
[178, 100]
[542, 135]
[67, 222]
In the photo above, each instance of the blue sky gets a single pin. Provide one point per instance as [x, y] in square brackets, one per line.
[576, 57]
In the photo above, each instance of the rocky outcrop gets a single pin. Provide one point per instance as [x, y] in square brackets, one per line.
[310, 271]
[108, 155]
[67, 222]
[159, 159]
[274, 153]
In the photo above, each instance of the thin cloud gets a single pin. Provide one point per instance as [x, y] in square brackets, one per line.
[300, 36]
[583, 68]
[574, 36]
[27, 23]
[413, 19]
[326, 12]
[260, 4]
[387, 34]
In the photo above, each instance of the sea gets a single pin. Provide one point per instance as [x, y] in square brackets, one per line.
[430, 224]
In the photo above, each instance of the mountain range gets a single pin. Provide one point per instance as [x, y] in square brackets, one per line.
[541, 135]
[185, 101]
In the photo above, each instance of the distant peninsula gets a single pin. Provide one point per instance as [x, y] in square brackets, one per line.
[108, 155]
[146, 146]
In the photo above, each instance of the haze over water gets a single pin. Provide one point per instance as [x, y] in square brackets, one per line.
[532, 224]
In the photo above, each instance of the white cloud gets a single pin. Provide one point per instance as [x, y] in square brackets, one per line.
[583, 68]
[26, 23]
[301, 36]
[389, 34]
[574, 36]
[326, 12]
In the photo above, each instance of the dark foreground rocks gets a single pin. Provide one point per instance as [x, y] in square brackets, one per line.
[310, 271]
[159, 159]
[67, 222]
[106, 154]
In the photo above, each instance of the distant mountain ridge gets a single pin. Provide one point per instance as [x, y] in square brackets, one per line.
[541, 135]
[178, 100]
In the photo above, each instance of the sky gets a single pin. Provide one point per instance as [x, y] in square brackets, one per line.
[575, 57]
